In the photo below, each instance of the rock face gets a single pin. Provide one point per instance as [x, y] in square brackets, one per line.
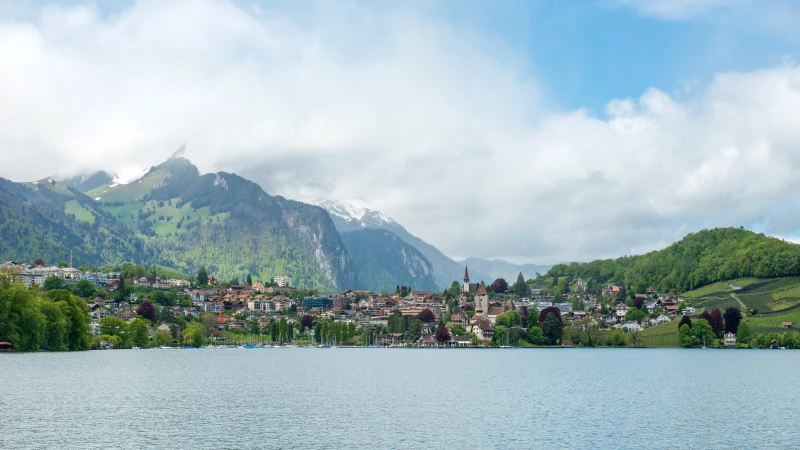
[445, 270]
[384, 261]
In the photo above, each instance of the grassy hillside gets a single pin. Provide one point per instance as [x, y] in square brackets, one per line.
[699, 259]
[229, 225]
[48, 220]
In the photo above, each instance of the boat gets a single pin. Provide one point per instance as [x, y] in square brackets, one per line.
[324, 346]
[136, 348]
[189, 346]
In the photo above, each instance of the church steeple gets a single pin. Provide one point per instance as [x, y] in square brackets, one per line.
[466, 275]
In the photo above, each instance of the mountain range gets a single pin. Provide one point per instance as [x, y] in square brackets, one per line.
[445, 270]
[176, 218]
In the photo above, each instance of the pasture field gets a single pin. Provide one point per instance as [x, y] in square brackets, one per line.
[134, 190]
[81, 213]
[791, 292]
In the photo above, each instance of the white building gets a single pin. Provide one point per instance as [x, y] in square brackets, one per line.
[282, 281]
[730, 339]
[179, 283]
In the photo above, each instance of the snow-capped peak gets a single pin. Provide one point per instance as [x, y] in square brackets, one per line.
[352, 213]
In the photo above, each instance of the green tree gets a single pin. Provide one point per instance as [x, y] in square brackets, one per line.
[635, 338]
[138, 332]
[501, 320]
[514, 319]
[744, 333]
[396, 322]
[194, 335]
[122, 291]
[51, 282]
[733, 318]
[84, 289]
[521, 288]
[700, 333]
[113, 326]
[552, 328]
[616, 338]
[458, 330]
[21, 321]
[249, 280]
[591, 335]
[202, 276]
[76, 313]
[318, 332]
[536, 336]
[635, 315]
[500, 336]
[413, 329]
[162, 338]
[283, 330]
[274, 331]
[56, 331]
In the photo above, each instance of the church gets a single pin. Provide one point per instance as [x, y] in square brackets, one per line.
[468, 288]
[484, 309]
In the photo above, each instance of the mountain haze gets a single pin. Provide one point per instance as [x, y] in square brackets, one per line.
[384, 261]
[445, 269]
[498, 268]
[85, 183]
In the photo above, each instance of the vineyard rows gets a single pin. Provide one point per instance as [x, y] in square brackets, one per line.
[757, 301]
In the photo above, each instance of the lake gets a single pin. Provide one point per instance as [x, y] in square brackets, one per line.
[400, 398]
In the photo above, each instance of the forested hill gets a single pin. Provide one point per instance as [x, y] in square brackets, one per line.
[696, 260]
[49, 220]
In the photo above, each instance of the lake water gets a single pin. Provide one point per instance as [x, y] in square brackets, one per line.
[394, 398]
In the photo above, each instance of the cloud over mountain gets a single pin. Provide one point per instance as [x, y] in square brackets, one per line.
[437, 125]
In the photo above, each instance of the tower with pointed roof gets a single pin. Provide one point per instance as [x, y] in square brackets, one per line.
[467, 288]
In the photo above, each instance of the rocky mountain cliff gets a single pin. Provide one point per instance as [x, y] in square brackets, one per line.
[229, 225]
[384, 261]
[445, 270]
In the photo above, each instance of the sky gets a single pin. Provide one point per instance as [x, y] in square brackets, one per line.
[541, 132]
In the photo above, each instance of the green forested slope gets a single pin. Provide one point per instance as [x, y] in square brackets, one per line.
[697, 260]
[34, 222]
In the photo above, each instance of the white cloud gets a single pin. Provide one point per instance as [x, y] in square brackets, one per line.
[435, 126]
[774, 17]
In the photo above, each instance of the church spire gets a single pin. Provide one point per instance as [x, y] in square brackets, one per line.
[466, 275]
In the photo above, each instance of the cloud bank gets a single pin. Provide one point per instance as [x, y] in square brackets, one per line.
[438, 126]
